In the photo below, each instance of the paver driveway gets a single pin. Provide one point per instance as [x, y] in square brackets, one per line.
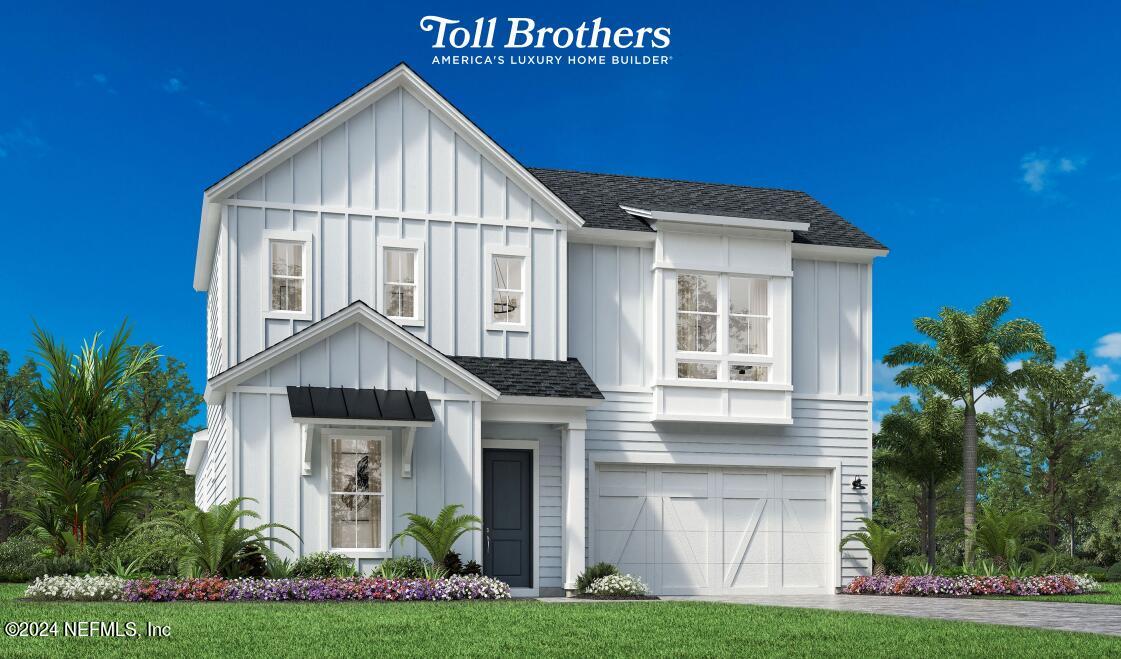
[1068, 616]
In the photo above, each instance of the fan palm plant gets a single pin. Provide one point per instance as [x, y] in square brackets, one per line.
[437, 536]
[1001, 535]
[878, 539]
[85, 465]
[967, 362]
[215, 542]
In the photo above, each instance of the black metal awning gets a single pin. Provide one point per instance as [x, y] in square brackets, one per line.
[361, 404]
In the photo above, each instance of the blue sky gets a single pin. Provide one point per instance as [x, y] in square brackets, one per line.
[980, 143]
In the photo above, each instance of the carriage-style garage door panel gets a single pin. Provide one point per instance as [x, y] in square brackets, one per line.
[715, 530]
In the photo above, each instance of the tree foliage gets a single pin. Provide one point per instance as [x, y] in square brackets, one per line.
[968, 361]
[15, 406]
[88, 471]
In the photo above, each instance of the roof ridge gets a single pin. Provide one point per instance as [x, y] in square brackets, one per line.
[670, 180]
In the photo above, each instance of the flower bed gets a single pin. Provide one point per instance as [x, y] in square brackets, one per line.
[935, 586]
[89, 589]
[315, 590]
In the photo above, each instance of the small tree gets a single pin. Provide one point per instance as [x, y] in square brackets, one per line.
[88, 472]
[15, 406]
[878, 539]
[923, 445]
[437, 536]
[967, 362]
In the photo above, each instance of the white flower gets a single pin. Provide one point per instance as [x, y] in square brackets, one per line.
[617, 585]
[65, 587]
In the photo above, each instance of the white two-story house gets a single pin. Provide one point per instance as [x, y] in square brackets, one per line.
[674, 377]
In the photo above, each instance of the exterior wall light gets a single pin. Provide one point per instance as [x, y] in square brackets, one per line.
[858, 485]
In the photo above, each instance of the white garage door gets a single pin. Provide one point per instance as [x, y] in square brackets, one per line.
[715, 530]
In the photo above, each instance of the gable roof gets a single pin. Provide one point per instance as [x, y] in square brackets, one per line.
[399, 76]
[356, 312]
[598, 197]
[533, 377]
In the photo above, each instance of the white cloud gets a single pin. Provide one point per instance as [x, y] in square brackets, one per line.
[1039, 168]
[173, 86]
[100, 78]
[1109, 346]
[1105, 374]
[23, 136]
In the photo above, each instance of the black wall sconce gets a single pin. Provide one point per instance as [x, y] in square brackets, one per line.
[858, 485]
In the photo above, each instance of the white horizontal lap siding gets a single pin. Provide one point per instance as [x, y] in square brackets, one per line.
[395, 171]
[212, 480]
[836, 429]
[270, 468]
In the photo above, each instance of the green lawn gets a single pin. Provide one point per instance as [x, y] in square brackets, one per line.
[520, 628]
[1112, 595]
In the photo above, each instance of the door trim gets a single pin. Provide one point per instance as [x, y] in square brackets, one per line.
[533, 446]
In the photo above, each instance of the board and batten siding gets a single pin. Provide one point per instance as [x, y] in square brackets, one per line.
[395, 170]
[268, 466]
[831, 341]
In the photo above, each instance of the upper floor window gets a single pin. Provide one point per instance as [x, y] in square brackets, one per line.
[288, 274]
[723, 327]
[508, 298]
[402, 289]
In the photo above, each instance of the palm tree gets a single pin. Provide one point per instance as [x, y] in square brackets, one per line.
[215, 541]
[87, 470]
[1001, 535]
[438, 535]
[878, 539]
[969, 361]
[922, 445]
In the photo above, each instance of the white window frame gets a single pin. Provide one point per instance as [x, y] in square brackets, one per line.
[306, 238]
[515, 251]
[723, 356]
[385, 436]
[417, 320]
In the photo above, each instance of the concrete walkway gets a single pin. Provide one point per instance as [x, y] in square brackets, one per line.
[1063, 616]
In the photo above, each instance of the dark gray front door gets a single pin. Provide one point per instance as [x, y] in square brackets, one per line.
[508, 516]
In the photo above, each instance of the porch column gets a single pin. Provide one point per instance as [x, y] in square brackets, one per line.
[574, 525]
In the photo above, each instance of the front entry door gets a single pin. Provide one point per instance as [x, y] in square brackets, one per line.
[508, 516]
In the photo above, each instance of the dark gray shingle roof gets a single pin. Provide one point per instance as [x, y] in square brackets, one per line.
[596, 199]
[533, 377]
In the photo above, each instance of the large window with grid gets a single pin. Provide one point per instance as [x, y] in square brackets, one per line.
[723, 328]
[358, 505]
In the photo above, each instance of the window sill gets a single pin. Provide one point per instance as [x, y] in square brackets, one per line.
[725, 384]
[361, 553]
[407, 322]
[507, 327]
[288, 315]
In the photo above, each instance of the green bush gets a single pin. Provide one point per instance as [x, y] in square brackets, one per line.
[1114, 572]
[1098, 573]
[322, 565]
[25, 557]
[592, 573]
[153, 550]
[404, 567]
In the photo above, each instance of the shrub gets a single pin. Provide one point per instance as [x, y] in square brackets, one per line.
[878, 539]
[472, 569]
[25, 557]
[89, 588]
[404, 567]
[592, 573]
[1056, 584]
[321, 565]
[617, 585]
[1096, 573]
[916, 566]
[438, 535]
[153, 550]
[314, 590]
[252, 562]
[1114, 572]
[452, 563]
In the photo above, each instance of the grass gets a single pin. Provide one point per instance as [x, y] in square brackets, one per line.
[1111, 595]
[523, 628]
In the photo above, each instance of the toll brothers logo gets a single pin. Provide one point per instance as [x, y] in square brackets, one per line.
[475, 42]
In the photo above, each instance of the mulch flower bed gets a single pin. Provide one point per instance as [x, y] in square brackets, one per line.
[936, 586]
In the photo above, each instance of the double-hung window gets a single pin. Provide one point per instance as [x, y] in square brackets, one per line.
[358, 497]
[402, 281]
[723, 327]
[288, 275]
[508, 298]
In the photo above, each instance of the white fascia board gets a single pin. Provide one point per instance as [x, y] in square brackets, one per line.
[199, 441]
[547, 400]
[836, 253]
[357, 312]
[209, 224]
[619, 237]
[719, 220]
[401, 75]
